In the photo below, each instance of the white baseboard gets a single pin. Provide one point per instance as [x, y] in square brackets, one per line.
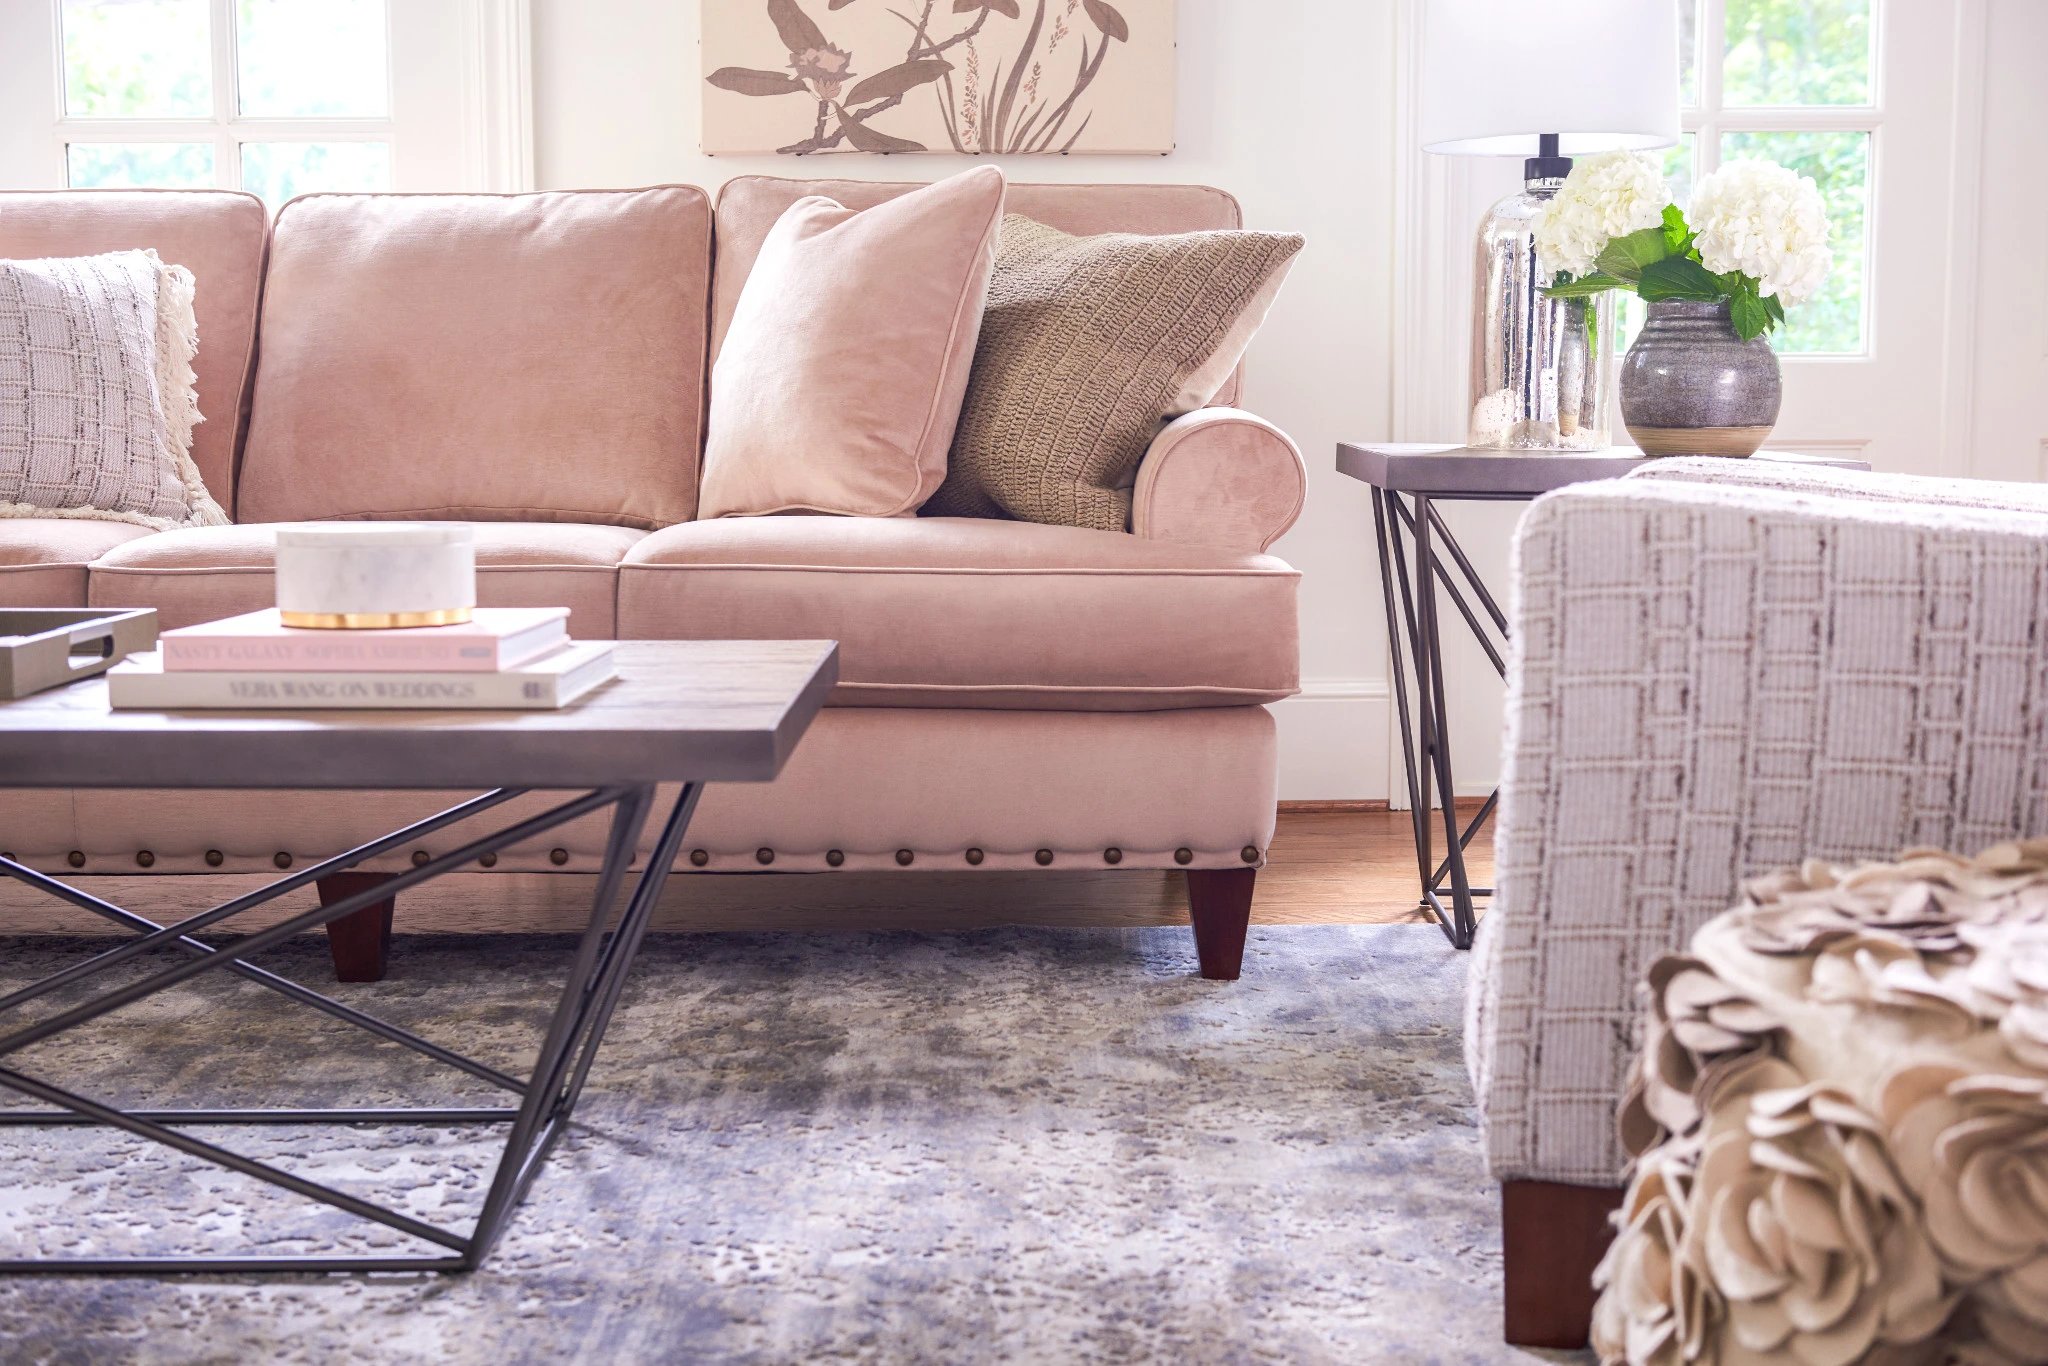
[1333, 740]
[1336, 740]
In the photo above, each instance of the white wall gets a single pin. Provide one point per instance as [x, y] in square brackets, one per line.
[1285, 103]
[2008, 356]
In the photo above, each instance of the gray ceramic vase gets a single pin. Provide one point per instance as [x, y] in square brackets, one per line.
[1691, 386]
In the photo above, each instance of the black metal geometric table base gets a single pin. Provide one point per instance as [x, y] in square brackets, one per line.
[1409, 533]
[544, 1100]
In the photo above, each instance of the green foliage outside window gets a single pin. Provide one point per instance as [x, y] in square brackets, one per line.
[1792, 53]
[1796, 52]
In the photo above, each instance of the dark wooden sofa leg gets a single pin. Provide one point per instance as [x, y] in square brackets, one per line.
[361, 943]
[1553, 1236]
[1220, 904]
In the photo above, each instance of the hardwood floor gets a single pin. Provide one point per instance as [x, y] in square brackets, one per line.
[1352, 868]
[1324, 867]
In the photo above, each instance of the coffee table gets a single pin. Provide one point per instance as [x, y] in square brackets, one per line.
[680, 711]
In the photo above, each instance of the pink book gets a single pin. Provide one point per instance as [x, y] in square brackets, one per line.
[497, 638]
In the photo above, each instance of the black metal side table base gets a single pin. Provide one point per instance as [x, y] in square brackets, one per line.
[1411, 570]
[545, 1099]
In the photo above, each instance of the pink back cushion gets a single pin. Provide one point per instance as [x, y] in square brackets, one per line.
[749, 205]
[535, 357]
[218, 235]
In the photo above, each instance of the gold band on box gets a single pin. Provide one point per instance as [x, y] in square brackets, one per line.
[374, 621]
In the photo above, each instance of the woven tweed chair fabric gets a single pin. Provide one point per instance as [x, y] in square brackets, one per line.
[1862, 486]
[97, 395]
[1087, 346]
[1709, 681]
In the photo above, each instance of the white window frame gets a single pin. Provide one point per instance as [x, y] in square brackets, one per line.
[472, 132]
[228, 128]
[1710, 115]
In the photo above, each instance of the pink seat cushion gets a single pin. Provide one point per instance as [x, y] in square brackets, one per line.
[218, 235]
[209, 572]
[43, 559]
[483, 357]
[749, 205]
[966, 612]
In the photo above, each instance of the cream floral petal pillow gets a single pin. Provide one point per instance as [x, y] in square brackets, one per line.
[97, 399]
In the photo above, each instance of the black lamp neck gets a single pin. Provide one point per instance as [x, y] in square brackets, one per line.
[1546, 164]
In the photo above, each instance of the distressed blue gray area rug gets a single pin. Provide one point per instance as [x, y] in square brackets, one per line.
[1010, 1145]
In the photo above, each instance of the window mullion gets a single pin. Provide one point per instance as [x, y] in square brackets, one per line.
[1801, 118]
[227, 157]
[62, 158]
[134, 130]
[1711, 46]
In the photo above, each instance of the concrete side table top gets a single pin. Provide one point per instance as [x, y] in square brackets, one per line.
[1469, 473]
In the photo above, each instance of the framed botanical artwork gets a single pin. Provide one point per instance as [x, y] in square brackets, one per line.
[982, 77]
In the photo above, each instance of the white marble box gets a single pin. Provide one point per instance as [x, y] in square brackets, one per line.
[375, 575]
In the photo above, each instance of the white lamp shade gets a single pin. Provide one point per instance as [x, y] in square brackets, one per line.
[1497, 74]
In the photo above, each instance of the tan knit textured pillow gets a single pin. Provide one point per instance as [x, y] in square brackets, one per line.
[1088, 345]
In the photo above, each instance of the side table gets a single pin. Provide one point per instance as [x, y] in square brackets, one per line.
[1408, 481]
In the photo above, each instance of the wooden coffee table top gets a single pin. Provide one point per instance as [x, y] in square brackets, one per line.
[714, 710]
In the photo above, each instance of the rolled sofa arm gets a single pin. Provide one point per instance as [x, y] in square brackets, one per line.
[1710, 681]
[1222, 477]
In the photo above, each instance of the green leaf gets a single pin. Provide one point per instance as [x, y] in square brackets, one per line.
[1626, 258]
[1677, 236]
[866, 139]
[1751, 318]
[799, 32]
[1584, 287]
[898, 80]
[1776, 306]
[744, 81]
[1679, 277]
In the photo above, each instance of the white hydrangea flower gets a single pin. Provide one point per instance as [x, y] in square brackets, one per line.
[1768, 222]
[1604, 197]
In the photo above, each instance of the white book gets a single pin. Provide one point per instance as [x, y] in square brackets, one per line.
[142, 684]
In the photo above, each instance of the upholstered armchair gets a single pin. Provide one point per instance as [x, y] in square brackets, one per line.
[1721, 668]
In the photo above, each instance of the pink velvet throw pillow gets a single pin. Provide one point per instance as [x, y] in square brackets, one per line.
[840, 380]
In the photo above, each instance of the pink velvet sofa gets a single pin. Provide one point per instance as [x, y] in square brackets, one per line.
[1012, 696]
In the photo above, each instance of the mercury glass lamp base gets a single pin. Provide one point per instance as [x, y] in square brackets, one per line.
[1542, 368]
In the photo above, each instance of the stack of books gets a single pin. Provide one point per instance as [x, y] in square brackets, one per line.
[504, 658]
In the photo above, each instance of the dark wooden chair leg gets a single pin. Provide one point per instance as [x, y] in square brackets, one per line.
[1553, 1236]
[360, 943]
[1220, 904]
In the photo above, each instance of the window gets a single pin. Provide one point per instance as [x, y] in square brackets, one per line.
[1795, 82]
[274, 96]
[277, 97]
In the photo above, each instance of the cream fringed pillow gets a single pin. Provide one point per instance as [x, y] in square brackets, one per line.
[1089, 343]
[97, 402]
[839, 381]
